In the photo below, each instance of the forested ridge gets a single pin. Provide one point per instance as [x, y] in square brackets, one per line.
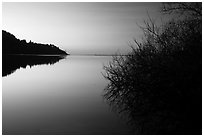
[12, 45]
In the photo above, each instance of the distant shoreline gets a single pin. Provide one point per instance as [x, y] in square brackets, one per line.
[61, 55]
[34, 54]
[95, 55]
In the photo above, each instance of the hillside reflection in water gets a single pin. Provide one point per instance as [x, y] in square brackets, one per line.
[10, 63]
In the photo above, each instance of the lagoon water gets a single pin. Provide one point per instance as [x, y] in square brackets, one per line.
[62, 98]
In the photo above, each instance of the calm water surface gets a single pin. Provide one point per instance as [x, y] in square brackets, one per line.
[63, 98]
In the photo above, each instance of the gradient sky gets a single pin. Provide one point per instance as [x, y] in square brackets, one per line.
[79, 28]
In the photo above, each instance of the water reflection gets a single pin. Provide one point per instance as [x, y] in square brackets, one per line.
[10, 63]
[63, 98]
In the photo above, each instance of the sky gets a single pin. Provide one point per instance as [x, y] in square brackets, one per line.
[79, 28]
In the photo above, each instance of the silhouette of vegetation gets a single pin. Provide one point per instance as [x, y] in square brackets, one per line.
[158, 86]
[18, 53]
[188, 9]
[12, 45]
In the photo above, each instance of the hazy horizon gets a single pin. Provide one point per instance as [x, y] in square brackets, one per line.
[79, 28]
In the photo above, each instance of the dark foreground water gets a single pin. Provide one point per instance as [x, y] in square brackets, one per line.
[61, 98]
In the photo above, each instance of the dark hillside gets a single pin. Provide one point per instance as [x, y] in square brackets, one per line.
[20, 54]
[12, 45]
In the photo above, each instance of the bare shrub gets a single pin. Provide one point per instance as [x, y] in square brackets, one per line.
[159, 84]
